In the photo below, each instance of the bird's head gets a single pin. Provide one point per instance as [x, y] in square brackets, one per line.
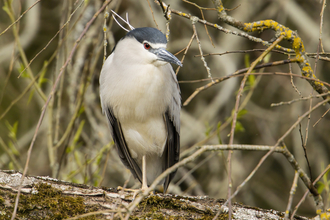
[146, 46]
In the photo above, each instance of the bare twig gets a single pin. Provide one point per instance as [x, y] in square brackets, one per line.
[302, 175]
[232, 131]
[51, 40]
[185, 52]
[227, 31]
[299, 99]
[216, 81]
[241, 51]
[311, 55]
[288, 34]
[291, 80]
[152, 13]
[190, 158]
[48, 100]
[321, 117]
[239, 72]
[303, 143]
[201, 10]
[19, 18]
[307, 191]
[201, 50]
[105, 29]
[292, 193]
[8, 8]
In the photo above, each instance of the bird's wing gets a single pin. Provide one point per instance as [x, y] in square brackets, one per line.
[121, 146]
[171, 153]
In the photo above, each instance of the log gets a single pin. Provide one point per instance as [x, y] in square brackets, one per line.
[49, 198]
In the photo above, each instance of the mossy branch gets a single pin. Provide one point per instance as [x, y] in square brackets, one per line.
[280, 30]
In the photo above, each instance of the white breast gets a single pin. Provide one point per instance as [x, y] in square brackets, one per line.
[138, 103]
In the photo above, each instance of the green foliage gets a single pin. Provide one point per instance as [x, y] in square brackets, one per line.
[241, 113]
[78, 132]
[81, 110]
[11, 166]
[218, 132]
[251, 80]
[22, 70]
[75, 143]
[42, 78]
[323, 186]
[12, 130]
[208, 129]
[7, 6]
[12, 134]
[100, 155]
[267, 58]
[239, 126]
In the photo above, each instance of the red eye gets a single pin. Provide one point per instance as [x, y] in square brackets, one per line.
[146, 46]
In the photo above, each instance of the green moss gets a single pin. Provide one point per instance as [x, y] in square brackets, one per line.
[153, 206]
[50, 203]
[47, 203]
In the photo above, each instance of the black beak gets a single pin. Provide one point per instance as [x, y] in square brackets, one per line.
[166, 56]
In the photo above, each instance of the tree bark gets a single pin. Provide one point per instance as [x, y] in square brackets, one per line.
[48, 198]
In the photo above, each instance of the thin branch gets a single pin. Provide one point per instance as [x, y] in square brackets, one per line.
[51, 40]
[190, 158]
[201, 10]
[10, 13]
[292, 193]
[289, 156]
[242, 51]
[299, 99]
[238, 72]
[227, 31]
[152, 13]
[232, 131]
[185, 52]
[321, 117]
[311, 55]
[291, 36]
[291, 80]
[307, 191]
[303, 143]
[19, 18]
[105, 29]
[216, 81]
[201, 51]
[48, 100]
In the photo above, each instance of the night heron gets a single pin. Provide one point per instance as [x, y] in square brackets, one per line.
[141, 98]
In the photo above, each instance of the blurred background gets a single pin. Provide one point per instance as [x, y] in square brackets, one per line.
[74, 142]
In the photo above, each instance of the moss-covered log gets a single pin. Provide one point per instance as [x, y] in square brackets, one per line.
[47, 198]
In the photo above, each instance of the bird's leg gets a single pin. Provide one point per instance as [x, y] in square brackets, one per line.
[144, 180]
[144, 173]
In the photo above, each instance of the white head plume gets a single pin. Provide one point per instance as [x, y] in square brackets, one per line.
[114, 15]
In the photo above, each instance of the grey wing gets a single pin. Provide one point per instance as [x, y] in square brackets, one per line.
[121, 146]
[171, 153]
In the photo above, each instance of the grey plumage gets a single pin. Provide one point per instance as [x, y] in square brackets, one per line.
[141, 98]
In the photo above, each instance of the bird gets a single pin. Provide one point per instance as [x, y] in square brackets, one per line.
[141, 99]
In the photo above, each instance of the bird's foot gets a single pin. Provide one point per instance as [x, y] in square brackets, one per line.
[120, 188]
[134, 191]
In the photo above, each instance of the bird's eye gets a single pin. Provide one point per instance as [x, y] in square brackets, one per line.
[146, 46]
